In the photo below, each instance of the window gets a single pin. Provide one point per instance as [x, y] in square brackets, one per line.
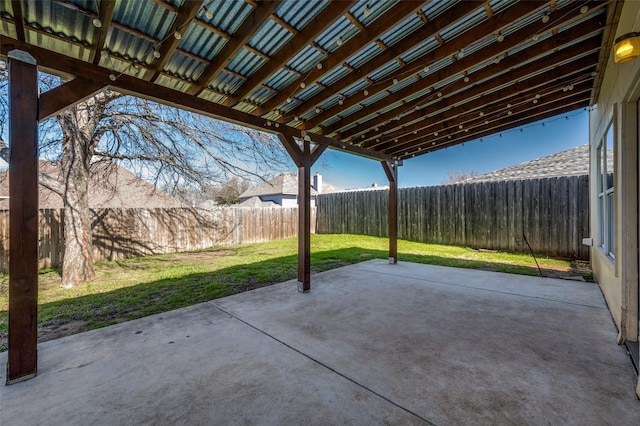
[606, 208]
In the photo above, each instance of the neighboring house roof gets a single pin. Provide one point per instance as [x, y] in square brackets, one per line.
[283, 184]
[572, 162]
[110, 186]
[257, 202]
[366, 188]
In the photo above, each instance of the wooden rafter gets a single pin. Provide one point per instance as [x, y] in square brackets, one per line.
[105, 15]
[552, 95]
[302, 39]
[490, 52]
[547, 47]
[18, 19]
[446, 19]
[494, 91]
[518, 93]
[458, 126]
[395, 15]
[501, 125]
[487, 27]
[186, 14]
[249, 26]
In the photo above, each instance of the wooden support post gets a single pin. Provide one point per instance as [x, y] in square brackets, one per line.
[391, 170]
[23, 221]
[304, 221]
[304, 157]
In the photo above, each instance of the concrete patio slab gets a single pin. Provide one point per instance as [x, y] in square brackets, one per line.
[371, 343]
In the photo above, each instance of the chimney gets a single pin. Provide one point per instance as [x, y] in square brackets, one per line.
[317, 182]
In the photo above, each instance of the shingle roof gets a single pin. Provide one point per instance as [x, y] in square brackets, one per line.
[285, 184]
[572, 162]
[111, 186]
[257, 202]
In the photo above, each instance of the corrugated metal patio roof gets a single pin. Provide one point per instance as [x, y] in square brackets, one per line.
[381, 78]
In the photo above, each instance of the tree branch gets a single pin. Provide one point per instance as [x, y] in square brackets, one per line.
[52, 184]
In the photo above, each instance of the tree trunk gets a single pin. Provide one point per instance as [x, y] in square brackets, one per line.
[79, 125]
[77, 262]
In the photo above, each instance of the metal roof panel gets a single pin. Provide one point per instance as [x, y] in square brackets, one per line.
[402, 30]
[227, 15]
[306, 59]
[334, 75]
[147, 17]
[270, 38]
[202, 42]
[298, 13]
[226, 83]
[246, 62]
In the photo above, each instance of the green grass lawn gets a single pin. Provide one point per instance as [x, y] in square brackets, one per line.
[137, 287]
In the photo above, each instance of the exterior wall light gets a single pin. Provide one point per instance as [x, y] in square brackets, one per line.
[626, 48]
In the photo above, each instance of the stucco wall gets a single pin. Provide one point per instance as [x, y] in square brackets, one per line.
[617, 103]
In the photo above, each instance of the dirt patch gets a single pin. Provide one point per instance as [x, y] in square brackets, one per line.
[578, 271]
[50, 331]
[204, 255]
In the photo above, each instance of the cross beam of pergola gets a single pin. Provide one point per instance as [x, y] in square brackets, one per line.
[381, 79]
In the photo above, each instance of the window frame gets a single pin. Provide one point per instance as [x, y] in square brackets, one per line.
[606, 194]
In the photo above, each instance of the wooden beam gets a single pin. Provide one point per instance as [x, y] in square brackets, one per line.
[447, 18]
[317, 151]
[509, 123]
[23, 219]
[186, 14]
[65, 65]
[105, 15]
[62, 97]
[316, 26]
[18, 19]
[249, 26]
[469, 61]
[294, 150]
[520, 98]
[375, 30]
[503, 86]
[391, 170]
[591, 26]
[496, 123]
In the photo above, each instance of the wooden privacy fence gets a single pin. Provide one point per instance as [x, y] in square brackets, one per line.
[119, 233]
[553, 213]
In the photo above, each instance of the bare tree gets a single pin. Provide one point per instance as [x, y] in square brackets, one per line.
[219, 194]
[169, 147]
[459, 176]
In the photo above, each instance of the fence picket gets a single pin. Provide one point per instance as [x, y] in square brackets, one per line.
[552, 212]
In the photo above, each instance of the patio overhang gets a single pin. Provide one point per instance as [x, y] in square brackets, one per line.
[380, 79]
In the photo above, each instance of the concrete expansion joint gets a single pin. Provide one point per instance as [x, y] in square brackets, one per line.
[491, 290]
[320, 363]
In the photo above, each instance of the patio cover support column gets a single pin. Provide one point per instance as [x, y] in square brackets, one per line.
[23, 223]
[391, 170]
[304, 157]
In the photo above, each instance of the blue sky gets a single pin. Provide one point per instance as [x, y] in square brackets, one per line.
[558, 134]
